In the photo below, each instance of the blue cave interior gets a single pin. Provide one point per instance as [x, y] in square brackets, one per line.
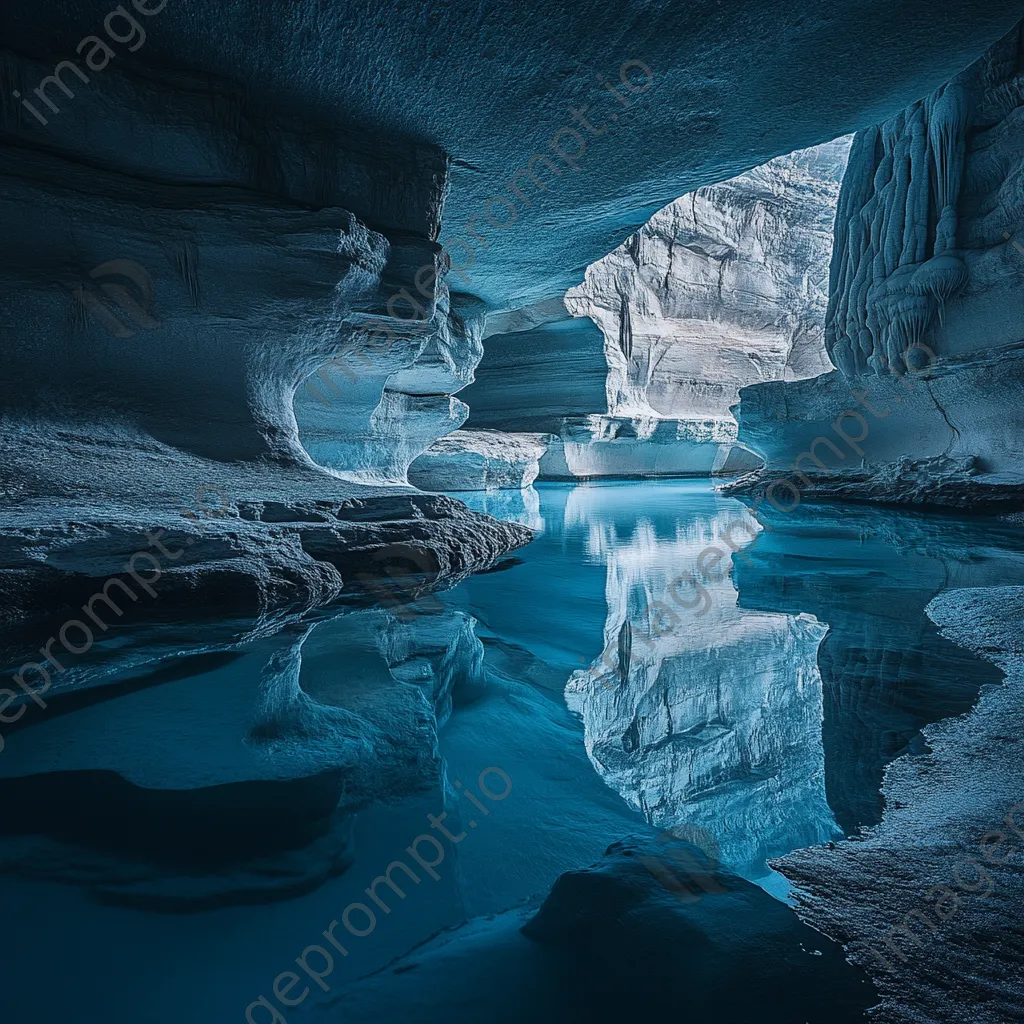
[512, 513]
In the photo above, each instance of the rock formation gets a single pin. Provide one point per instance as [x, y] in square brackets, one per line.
[928, 901]
[480, 460]
[732, 948]
[924, 312]
[156, 333]
[723, 287]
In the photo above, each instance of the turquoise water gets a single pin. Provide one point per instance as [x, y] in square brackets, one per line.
[768, 686]
[628, 671]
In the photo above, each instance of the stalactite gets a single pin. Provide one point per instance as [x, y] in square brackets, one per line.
[947, 134]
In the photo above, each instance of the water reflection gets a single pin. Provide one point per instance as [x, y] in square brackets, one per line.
[255, 782]
[869, 573]
[753, 690]
[702, 715]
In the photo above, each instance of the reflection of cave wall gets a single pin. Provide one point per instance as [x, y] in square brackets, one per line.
[231, 778]
[886, 670]
[710, 721]
[880, 690]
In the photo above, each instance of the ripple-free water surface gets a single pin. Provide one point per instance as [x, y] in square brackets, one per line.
[635, 675]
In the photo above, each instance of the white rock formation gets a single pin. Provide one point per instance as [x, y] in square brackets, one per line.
[609, 446]
[166, 300]
[722, 288]
[480, 460]
[926, 277]
[388, 395]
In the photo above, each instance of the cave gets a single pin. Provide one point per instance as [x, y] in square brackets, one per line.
[512, 513]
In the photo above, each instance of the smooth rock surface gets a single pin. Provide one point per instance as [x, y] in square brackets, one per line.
[480, 460]
[732, 87]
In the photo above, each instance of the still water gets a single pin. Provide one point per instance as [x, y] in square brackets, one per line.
[655, 662]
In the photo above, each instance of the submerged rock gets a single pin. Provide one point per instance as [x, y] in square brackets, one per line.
[642, 914]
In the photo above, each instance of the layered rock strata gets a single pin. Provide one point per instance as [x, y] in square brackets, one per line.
[723, 287]
[166, 301]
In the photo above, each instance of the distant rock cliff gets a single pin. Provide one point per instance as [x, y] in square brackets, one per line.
[724, 287]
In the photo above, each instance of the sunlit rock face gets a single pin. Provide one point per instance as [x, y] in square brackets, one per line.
[925, 289]
[480, 460]
[703, 715]
[722, 288]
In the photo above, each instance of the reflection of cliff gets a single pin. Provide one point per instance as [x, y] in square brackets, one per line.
[230, 776]
[886, 670]
[713, 719]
